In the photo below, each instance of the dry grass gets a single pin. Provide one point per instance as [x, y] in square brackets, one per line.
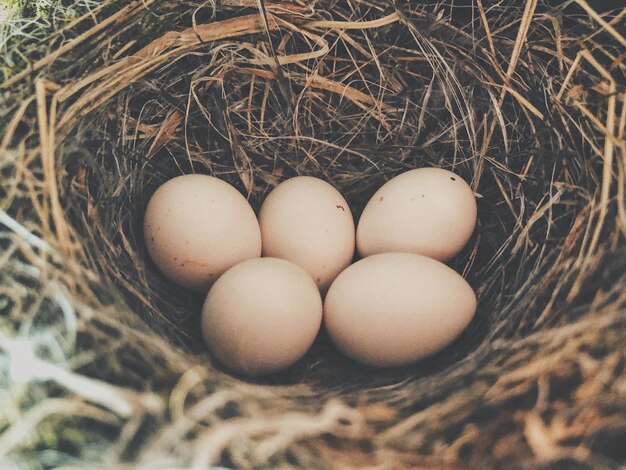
[102, 360]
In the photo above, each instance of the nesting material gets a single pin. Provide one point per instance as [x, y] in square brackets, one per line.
[102, 358]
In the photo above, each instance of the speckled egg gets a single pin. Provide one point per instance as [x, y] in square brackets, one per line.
[307, 221]
[427, 211]
[198, 226]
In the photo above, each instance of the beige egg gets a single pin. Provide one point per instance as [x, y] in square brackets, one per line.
[392, 309]
[196, 227]
[261, 316]
[428, 211]
[308, 222]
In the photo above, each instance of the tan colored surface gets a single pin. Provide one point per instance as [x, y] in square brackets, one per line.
[427, 211]
[394, 308]
[308, 222]
[196, 227]
[261, 316]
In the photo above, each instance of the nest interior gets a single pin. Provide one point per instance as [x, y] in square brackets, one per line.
[524, 101]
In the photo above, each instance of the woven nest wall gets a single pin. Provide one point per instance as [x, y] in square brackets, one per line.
[101, 360]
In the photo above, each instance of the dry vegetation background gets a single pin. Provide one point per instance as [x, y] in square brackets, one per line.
[101, 364]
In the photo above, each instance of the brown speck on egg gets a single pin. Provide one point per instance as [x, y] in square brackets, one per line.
[339, 206]
[381, 199]
[453, 178]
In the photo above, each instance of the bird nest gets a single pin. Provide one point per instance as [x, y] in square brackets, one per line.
[102, 359]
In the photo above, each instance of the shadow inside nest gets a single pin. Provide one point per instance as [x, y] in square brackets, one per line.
[355, 117]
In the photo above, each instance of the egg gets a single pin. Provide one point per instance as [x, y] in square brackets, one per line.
[198, 226]
[427, 211]
[261, 316]
[307, 221]
[392, 309]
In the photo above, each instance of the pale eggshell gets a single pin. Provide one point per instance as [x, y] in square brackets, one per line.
[307, 221]
[261, 316]
[427, 211]
[198, 226]
[392, 309]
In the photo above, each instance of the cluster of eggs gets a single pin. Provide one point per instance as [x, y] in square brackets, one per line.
[273, 281]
